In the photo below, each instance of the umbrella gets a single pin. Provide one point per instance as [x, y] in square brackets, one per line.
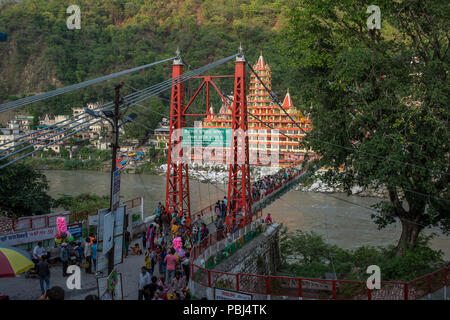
[13, 261]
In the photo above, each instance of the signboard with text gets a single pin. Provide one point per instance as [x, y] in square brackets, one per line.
[18, 238]
[206, 137]
[221, 294]
[110, 288]
[116, 235]
[75, 229]
[108, 232]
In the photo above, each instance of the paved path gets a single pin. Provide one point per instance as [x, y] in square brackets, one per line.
[21, 288]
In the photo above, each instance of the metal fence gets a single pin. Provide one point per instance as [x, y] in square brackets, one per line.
[208, 214]
[306, 288]
[9, 225]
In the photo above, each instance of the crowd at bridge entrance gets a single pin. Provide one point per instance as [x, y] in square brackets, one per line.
[167, 243]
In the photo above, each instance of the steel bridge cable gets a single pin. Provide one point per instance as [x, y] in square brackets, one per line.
[378, 212]
[51, 143]
[263, 122]
[147, 94]
[299, 141]
[174, 81]
[189, 75]
[275, 99]
[76, 118]
[361, 206]
[161, 85]
[53, 93]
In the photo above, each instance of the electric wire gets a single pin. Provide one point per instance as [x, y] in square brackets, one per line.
[25, 101]
[275, 99]
[146, 93]
[139, 96]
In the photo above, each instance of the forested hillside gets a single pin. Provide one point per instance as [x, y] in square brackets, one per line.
[43, 54]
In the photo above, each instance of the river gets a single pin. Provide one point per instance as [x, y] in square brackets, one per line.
[341, 223]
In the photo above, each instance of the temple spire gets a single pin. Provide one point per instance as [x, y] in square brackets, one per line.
[287, 103]
[260, 64]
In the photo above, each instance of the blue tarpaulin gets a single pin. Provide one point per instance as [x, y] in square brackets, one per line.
[140, 153]
[3, 36]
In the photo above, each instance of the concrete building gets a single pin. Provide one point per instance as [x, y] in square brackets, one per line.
[160, 138]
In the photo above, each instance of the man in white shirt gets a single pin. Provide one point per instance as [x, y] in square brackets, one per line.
[38, 252]
[144, 279]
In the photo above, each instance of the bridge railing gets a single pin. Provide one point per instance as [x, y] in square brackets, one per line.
[208, 214]
[309, 288]
[219, 239]
[10, 225]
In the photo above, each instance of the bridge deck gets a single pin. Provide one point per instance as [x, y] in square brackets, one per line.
[208, 215]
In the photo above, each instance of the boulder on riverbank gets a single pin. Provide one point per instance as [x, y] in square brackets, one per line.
[315, 184]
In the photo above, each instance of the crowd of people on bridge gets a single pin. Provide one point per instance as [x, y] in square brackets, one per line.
[160, 257]
[164, 274]
[263, 186]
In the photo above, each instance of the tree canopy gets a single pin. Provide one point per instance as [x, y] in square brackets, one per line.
[23, 192]
[379, 102]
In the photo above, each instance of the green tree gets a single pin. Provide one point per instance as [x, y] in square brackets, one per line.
[379, 102]
[307, 254]
[23, 192]
[82, 202]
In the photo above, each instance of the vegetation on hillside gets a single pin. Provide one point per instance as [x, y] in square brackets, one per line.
[42, 53]
[307, 254]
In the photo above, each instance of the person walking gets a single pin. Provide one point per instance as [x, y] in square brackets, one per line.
[43, 270]
[127, 241]
[144, 239]
[150, 289]
[148, 262]
[223, 209]
[64, 258]
[94, 254]
[144, 279]
[268, 219]
[218, 209]
[158, 209]
[79, 251]
[171, 261]
[88, 255]
[185, 266]
[165, 220]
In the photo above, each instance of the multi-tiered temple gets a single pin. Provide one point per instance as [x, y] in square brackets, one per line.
[261, 105]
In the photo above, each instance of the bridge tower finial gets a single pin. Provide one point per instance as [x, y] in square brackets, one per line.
[240, 56]
[177, 60]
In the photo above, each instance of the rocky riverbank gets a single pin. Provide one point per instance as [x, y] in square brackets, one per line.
[219, 173]
[315, 184]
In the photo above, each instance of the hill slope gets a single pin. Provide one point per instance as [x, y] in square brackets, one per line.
[42, 53]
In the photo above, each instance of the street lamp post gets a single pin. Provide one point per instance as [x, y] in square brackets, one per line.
[113, 119]
[114, 148]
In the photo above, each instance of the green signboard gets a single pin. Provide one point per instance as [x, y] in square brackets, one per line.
[206, 137]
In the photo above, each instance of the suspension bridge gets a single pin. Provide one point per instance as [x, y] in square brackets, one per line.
[239, 192]
[243, 208]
